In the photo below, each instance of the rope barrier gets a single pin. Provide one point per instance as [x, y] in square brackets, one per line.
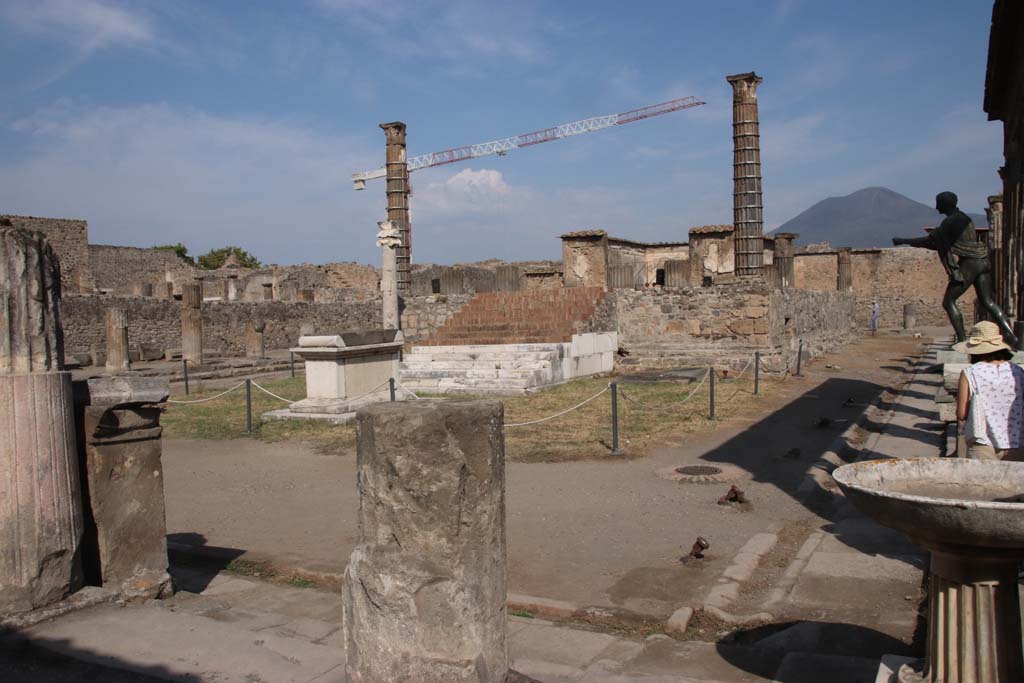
[406, 389]
[569, 410]
[270, 393]
[367, 393]
[666, 406]
[210, 398]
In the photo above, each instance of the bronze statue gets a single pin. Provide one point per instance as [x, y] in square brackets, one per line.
[966, 262]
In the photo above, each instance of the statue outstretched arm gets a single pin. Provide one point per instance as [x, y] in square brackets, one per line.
[925, 242]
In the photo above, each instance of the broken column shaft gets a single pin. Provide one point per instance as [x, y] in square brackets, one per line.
[844, 270]
[425, 589]
[117, 340]
[192, 322]
[40, 495]
[398, 200]
[748, 215]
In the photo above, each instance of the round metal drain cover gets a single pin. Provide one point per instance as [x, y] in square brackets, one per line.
[703, 474]
[699, 470]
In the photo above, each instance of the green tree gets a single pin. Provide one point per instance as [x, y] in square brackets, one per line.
[217, 258]
[180, 249]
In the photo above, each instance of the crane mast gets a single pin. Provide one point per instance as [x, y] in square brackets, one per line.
[456, 154]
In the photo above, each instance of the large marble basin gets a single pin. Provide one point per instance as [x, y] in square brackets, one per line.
[942, 502]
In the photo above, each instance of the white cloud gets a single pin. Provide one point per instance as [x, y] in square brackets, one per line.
[156, 173]
[85, 26]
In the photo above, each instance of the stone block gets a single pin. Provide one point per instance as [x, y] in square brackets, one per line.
[582, 345]
[425, 588]
[122, 452]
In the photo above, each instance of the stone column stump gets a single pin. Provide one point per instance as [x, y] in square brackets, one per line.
[425, 589]
[117, 341]
[192, 323]
[40, 496]
[120, 421]
[909, 316]
[254, 346]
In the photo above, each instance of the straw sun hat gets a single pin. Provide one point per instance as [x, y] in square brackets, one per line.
[984, 337]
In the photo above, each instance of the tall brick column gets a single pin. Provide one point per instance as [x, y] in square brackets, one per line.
[425, 588]
[40, 494]
[192, 322]
[398, 201]
[117, 340]
[746, 174]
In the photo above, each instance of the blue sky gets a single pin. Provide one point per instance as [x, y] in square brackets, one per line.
[215, 123]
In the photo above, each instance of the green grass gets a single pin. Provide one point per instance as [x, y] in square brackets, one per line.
[582, 434]
[224, 418]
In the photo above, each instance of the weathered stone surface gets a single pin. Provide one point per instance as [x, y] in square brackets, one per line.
[192, 322]
[117, 340]
[40, 498]
[425, 588]
[127, 547]
[254, 343]
[507, 278]
[29, 308]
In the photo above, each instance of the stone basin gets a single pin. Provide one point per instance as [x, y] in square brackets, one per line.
[941, 501]
[969, 514]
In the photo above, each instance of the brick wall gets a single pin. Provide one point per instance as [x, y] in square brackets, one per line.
[70, 240]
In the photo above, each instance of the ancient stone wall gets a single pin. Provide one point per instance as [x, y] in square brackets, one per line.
[119, 269]
[585, 258]
[70, 240]
[426, 280]
[156, 323]
[424, 315]
[892, 277]
[823, 320]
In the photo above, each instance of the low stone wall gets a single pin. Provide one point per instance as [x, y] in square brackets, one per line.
[892, 277]
[156, 323]
[724, 324]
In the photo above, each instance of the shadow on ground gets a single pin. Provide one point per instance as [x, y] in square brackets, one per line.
[28, 659]
[204, 562]
[813, 651]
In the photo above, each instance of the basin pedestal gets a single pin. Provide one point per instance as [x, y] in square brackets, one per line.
[974, 630]
[969, 515]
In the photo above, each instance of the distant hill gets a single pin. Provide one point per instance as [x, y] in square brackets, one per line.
[867, 218]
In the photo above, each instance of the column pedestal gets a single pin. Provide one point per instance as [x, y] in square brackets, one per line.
[974, 630]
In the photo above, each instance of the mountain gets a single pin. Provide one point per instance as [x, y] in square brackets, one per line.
[867, 218]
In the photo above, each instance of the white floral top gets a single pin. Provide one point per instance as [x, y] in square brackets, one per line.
[996, 420]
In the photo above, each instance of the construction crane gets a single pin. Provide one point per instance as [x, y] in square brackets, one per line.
[503, 146]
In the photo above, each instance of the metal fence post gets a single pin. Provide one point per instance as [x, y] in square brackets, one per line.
[248, 405]
[757, 371]
[711, 393]
[615, 420]
[184, 363]
[391, 387]
[291, 362]
[799, 357]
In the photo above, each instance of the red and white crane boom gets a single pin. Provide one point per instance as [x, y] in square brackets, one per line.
[450, 156]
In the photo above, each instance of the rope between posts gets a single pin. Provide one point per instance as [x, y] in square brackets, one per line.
[270, 393]
[211, 398]
[568, 410]
[406, 389]
[667, 406]
[382, 384]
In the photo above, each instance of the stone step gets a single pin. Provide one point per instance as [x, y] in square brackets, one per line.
[418, 358]
[485, 365]
[488, 348]
[533, 376]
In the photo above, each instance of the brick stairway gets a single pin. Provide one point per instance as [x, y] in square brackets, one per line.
[525, 317]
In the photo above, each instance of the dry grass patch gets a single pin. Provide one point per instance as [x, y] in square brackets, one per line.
[656, 415]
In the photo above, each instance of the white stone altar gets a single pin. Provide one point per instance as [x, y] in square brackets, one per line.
[344, 372]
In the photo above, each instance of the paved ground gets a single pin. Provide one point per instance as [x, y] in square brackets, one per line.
[604, 533]
[840, 590]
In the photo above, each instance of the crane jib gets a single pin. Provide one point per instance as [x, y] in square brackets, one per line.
[450, 156]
